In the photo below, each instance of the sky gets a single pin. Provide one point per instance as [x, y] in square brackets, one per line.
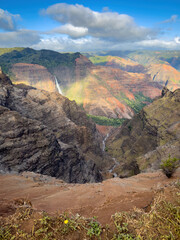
[90, 25]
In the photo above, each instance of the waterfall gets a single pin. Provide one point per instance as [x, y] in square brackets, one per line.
[116, 163]
[57, 85]
[103, 147]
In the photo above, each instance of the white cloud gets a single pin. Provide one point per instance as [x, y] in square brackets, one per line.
[177, 40]
[20, 38]
[160, 44]
[8, 20]
[66, 44]
[173, 18]
[72, 31]
[84, 30]
[105, 25]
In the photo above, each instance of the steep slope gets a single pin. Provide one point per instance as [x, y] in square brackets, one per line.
[153, 63]
[149, 137]
[33, 75]
[113, 93]
[174, 61]
[45, 132]
[165, 74]
[102, 91]
[118, 62]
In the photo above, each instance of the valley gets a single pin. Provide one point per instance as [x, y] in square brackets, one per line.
[90, 120]
[112, 91]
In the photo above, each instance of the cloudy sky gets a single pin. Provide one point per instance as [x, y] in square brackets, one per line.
[90, 25]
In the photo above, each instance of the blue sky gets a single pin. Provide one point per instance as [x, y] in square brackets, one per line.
[90, 25]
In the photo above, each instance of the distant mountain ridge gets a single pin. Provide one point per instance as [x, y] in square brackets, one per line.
[102, 91]
[155, 63]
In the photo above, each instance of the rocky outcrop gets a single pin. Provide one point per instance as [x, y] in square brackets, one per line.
[149, 137]
[46, 133]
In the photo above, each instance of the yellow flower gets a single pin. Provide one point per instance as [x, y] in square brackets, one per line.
[66, 221]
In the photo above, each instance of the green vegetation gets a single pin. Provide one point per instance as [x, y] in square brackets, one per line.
[46, 58]
[99, 60]
[95, 228]
[104, 121]
[137, 104]
[8, 50]
[169, 166]
[123, 231]
[161, 222]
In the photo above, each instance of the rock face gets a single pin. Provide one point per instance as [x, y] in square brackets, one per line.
[149, 137]
[165, 75]
[46, 133]
[112, 92]
[101, 90]
[33, 75]
[121, 63]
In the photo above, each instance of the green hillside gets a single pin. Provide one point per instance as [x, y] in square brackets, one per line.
[47, 58]
[8, 50]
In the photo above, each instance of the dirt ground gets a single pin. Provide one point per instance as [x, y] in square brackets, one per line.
[94, 199]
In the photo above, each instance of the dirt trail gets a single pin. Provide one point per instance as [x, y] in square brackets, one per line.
[96, 199]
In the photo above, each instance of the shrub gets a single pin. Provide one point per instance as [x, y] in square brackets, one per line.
[169, 166]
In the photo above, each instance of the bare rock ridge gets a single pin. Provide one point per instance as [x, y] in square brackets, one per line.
[149, 137]
[46, 133]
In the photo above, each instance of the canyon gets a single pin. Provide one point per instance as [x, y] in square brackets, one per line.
[46, 133]
[101, 90]
[104, 93]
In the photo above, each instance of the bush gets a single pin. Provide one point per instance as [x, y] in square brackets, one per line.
[169, 166]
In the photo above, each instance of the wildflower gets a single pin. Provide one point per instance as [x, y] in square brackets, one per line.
[66, 221]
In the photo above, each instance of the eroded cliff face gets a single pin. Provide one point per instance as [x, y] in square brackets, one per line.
[125, 64]
[46, 133]
[149, 137]
[102, 91]
[110, 92]
[33, 75]
[67, 75]
[165, 74]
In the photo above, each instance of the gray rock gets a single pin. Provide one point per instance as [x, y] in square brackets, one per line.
[40, 132]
